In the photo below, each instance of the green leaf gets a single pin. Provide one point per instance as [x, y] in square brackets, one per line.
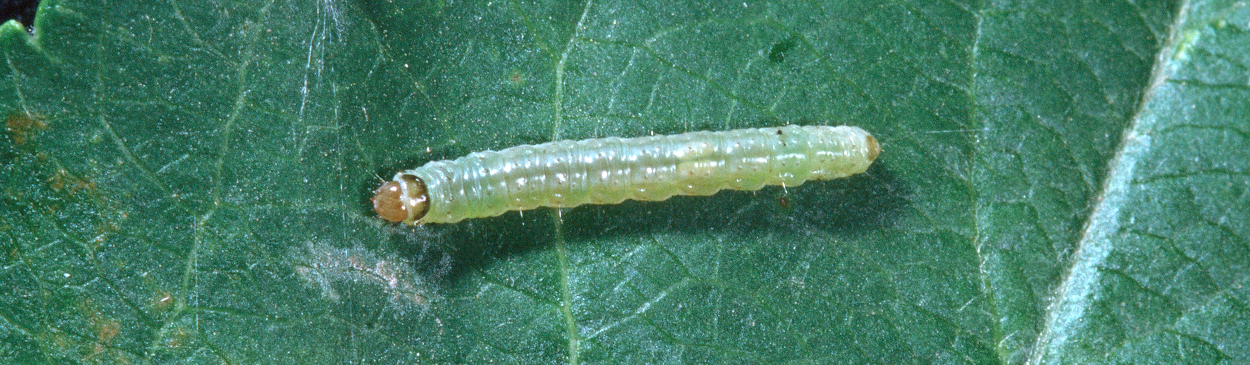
[1062, 182]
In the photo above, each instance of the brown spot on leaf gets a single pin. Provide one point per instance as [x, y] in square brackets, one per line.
[21, 126]
[177, 338]
[62, 180]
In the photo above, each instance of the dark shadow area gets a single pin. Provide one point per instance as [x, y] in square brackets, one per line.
[21, 10]
[777, 53]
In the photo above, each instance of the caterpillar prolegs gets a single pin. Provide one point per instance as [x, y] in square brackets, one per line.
[566, 174]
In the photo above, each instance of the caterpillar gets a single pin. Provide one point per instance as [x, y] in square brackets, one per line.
[567, 174]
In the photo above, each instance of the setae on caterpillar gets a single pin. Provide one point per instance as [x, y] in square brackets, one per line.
[567, 174]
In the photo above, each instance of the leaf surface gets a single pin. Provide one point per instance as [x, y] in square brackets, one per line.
[1063, 182]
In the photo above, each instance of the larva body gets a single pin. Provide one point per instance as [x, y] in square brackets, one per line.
[611, 170]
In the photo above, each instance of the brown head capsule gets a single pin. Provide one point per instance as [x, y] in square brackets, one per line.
[401, 200]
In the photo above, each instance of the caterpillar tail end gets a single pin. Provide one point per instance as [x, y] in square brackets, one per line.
[874, 148]
[401, 200]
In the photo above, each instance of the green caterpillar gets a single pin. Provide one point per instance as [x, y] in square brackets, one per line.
[567, 174]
